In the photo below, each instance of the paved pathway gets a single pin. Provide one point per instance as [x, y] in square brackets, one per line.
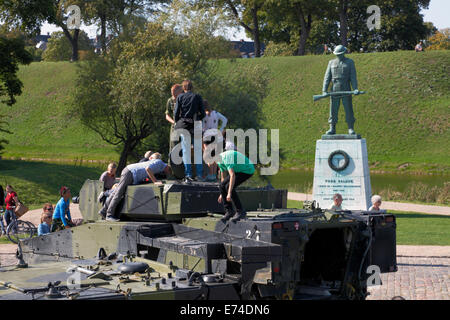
[423, 274]
[388, 205]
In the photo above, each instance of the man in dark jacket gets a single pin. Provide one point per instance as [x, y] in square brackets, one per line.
[189, 112]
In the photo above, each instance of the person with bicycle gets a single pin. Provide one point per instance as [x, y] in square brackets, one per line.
[11, 201]
[62, 211]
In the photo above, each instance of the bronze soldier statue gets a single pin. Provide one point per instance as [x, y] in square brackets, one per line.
[342, 73]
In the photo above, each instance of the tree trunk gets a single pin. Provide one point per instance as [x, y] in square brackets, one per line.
[126, 151]
[256, 32]
[304, 32]
[103, 32]
[74, 43]
[343, 8]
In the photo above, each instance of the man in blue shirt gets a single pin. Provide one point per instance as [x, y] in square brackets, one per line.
[135, 174]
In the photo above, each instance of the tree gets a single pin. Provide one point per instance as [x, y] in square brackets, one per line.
[292, 20]
[244, 12]
[60, 49]
[29, 15]
[402, 25]
[122, 95]
[440, 40]
[12, 53]
[116, 15]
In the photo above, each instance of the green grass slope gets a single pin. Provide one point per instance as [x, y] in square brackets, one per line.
[405, 115]
[41, 123]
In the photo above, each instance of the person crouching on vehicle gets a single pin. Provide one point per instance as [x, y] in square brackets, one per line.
[61, 215]
[135, 174]
[235, 168]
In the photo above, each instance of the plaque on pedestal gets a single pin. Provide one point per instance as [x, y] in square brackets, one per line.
[342, 166]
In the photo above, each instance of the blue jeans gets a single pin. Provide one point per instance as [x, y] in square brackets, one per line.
[2, 225]
[8, 217]
[186, 147]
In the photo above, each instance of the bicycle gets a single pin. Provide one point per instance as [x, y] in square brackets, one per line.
[18, 230]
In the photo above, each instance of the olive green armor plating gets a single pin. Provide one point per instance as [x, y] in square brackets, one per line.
[171, 244]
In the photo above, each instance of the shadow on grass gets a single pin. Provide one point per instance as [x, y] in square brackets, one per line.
[36, 182]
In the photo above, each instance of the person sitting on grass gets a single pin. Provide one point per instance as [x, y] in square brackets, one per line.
[46, 222]
[235, 169]
[62, 210]
[135, 174]
[376, 203]
[337, 205]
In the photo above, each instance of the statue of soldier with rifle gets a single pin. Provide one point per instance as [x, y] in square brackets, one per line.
[342, 73]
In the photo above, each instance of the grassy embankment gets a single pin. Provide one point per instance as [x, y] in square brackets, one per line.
[404, 116]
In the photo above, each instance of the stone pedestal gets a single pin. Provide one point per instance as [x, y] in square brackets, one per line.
[341, 166]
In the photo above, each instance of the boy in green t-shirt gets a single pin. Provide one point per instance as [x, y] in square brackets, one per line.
[235, 168]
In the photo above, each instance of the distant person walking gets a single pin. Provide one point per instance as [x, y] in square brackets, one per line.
[11, 202]
[61, 216]
[188, 110]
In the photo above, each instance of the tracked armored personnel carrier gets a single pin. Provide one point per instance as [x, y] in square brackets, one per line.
[171, 244]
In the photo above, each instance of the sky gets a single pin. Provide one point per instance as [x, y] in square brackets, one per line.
[438, 13]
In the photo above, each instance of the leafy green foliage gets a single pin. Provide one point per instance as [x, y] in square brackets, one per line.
[12, 52]
[28, 15]
[122, 95]
[60, 49]
[243, 88]
[402, 25]
[440, 40]
[279, 49]
[35, 53]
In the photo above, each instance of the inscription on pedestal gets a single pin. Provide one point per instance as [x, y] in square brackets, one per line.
[341, 166]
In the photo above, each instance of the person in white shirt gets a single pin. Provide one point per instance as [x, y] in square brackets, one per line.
[211, 121]
[212, 118]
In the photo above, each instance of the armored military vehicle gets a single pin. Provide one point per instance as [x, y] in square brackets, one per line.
[172, 244]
